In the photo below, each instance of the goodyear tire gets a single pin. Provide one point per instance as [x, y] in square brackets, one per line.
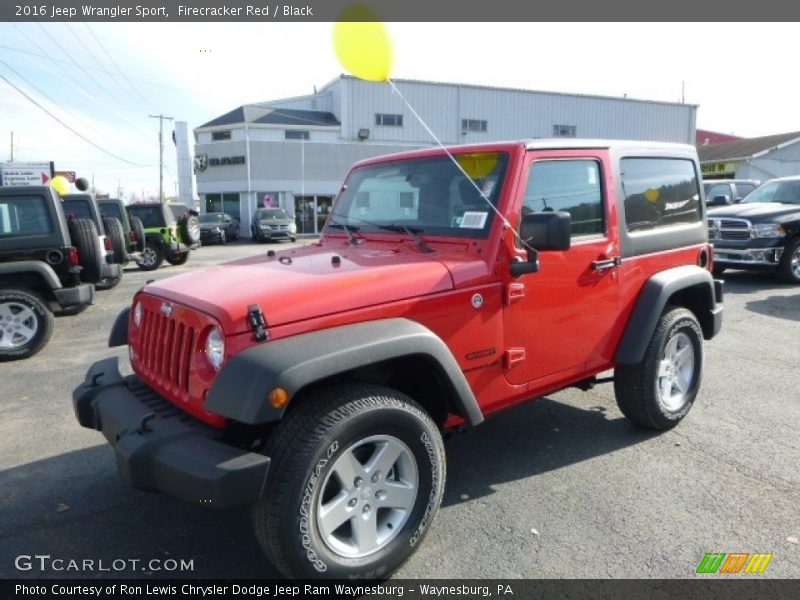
[659, 391]
[151, 258]
[789, 267]
[138, 228]
[178, 259]
[26, 323]
[83, 234]
[116, 234]
[356, 477]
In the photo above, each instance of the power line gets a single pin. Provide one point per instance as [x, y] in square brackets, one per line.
[121, 72]
[104, 71]
[80, 135]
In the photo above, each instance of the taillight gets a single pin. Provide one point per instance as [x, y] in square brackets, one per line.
[73, 257]
[132, 236]
[107, 243]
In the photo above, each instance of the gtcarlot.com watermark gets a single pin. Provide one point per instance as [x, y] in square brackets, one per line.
[45, 563]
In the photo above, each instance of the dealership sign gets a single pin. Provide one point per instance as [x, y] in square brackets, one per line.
[25, 173]
[202, 161]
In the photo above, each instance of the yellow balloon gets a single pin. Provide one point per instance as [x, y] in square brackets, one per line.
[362, 43]
[479, 164]
[60, 184]
[652, 194]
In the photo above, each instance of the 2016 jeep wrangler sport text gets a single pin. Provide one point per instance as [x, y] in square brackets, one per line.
[315, 383]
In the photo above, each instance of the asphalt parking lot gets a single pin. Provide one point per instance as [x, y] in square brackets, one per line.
[559, 488]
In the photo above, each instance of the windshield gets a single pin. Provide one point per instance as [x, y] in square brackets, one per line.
[785, 192]
[210, 218]
[272, 213]
[429, 195]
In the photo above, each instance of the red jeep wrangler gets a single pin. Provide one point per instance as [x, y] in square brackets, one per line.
[315, 383]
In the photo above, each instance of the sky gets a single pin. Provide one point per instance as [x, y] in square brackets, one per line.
[103, 80]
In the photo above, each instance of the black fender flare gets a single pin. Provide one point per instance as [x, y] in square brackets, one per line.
[655, 296]
[241, 389]
[32, 266]
[119, 330]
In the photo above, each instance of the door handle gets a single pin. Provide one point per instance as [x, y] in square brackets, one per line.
[601, 265]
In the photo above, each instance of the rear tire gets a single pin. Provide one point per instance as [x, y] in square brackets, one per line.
[356, 477]
[717, 271]
[659, 391]
[26, 323]
[83, 234]
[152, 257]
[117, 236]
[789, 267]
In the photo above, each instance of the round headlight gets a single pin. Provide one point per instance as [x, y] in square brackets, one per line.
[215, 348]
[137, 314]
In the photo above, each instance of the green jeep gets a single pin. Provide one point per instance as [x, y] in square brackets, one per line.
[166, 238]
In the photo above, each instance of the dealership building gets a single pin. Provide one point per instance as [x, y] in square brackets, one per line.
[295, 152]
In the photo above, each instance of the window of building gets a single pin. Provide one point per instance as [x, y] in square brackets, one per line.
[296, 134]
[223, 203]
[218, 136]
[565, 131]
[572, 186]
[388, 120]
[473, 125]
[660, 192]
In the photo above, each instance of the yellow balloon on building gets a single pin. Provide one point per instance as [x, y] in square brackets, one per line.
[60, 184]
[362, 43]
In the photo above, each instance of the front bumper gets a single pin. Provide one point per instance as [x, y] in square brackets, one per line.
[210, 236]
[160, 448]
[743, 258]
[275, 234]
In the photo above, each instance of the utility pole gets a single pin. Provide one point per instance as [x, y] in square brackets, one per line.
[161, 154]
[12, 146]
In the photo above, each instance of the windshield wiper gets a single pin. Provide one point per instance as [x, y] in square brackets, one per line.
[412, 231]
[349, 230]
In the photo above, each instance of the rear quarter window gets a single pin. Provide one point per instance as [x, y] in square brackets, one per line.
[660, 193]
[24, 215]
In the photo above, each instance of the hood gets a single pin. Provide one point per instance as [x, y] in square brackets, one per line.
[754, 210]
[300, 284]
[268, 221]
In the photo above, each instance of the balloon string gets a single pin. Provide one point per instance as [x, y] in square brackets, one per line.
[458, 165]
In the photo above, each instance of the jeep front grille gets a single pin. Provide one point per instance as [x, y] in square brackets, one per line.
[729, 229]
[166, 349]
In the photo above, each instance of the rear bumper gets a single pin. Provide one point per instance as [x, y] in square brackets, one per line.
[110, 271]
[160, 448]
[78, 295]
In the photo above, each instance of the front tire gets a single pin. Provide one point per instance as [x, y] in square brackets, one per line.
[151, 258]
[789, 267]
[26, 323]
[659, 391]
[356, 477]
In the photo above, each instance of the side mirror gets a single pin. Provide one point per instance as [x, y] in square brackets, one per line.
[719, 201]
[547, 230]
[542, 231]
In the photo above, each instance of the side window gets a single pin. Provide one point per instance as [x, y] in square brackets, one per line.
[660, 192]
[567, 185]
[742, 189]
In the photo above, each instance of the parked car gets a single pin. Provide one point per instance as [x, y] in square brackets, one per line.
[218, 228]
[316, 384]
[132, 242]
[721, 192]
[40, 268]
[762, 233]
[272, 224]
[166, 238]
[84, 206]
